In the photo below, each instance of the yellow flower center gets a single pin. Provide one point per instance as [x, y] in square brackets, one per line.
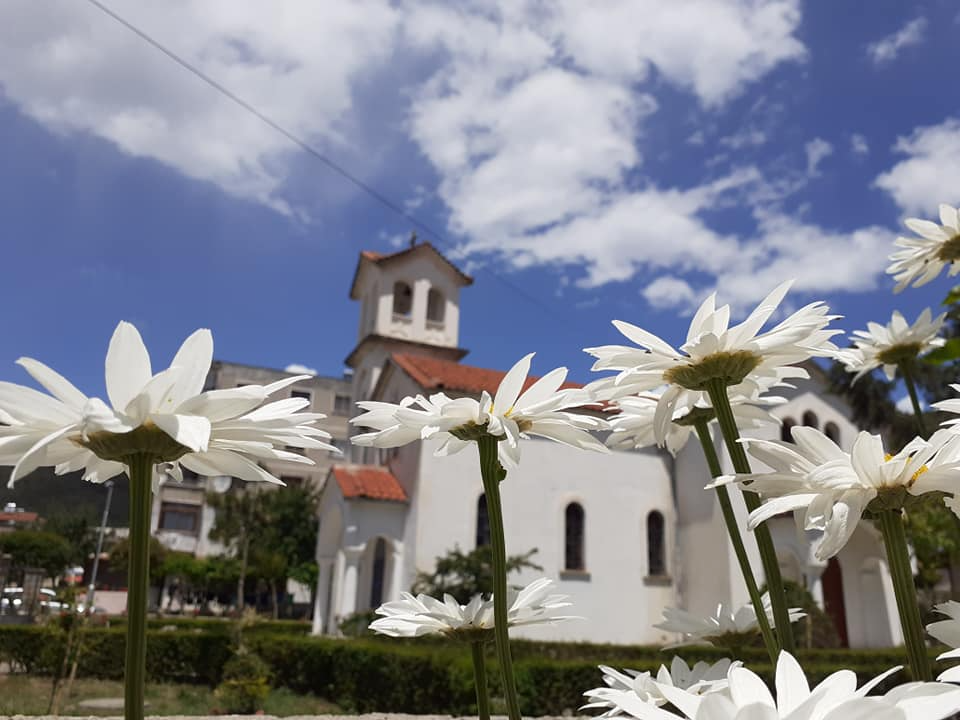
[950, 250]
[913, 478]
[729, 366]
[147, 439]
[896, 354]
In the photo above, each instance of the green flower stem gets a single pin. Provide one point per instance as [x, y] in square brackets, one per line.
[492, 473]
[768, 554]
[895, 541]
[906, 370]
[480, 680]
[733, 530]
[140, 470]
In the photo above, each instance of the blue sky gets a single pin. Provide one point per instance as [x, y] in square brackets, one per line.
[584, 166]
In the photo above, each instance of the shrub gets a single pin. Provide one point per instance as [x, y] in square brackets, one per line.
[378, 675]
[363, 676]
[171, 657]
[246, 684]
[220, 625]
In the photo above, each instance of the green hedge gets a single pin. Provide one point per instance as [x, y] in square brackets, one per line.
[219, 625]
[379, 675]
[171, 657]
[368, 677]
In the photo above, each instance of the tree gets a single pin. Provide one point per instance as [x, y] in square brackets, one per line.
[272, 534]
[464, 575]
[79, 530]
[37, 548]
[120, 557]
[238, 516]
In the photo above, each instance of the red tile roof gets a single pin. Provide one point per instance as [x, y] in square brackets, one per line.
[366, 481]
[17, 518]
[375, 257]
[436, 374]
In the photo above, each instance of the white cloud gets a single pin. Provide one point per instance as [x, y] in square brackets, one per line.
[821, 260]
[747, 137]
[859, 145]
[713, 47]
[782, 248]
[887, 48]
[531, 114]
[72, 68]
[668, 291]
[535, 122]
[930, 175]
[817, 150]
[298, 369]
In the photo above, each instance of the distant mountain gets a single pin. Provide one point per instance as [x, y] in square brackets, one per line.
[48, 494]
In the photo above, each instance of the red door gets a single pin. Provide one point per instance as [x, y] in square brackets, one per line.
[833, 605]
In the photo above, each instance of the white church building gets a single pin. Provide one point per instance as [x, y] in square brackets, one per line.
[625, 534]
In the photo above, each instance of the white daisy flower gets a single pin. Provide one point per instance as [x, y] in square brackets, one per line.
[633, 421]
[511, 415]
[836, 698]
[624, 686]
[746, 361]
[922, 258]
[219, 432]
[423, 615]
[891, 344]
[951, 406]
[948, 632]
[833, 488]
[725, 628]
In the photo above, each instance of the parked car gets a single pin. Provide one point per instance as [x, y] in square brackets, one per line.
[12, 598]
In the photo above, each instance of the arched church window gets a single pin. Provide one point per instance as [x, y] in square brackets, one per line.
[656, 547]
[832, 431]
[810, 419]
[436, 306]
[402, 299]
[379, 568]
[573, 534]
[483, 522]
[786, 427]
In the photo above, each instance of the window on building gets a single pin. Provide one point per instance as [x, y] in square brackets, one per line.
[810, 419]
[573, 535]
[483, 522]
[436, 307]
[788, 424]
[656, 546]
[305, 394]
[379, 568]
[342, 445]
[180, 517]
[402, 299]
[832, 431]
[341, 404]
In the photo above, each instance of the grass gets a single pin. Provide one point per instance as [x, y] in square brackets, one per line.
[26, 695]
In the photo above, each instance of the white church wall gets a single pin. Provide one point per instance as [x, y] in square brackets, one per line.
[702, 536]
[617, 492]
[868, 595]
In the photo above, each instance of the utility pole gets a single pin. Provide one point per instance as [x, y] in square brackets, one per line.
[91, 588]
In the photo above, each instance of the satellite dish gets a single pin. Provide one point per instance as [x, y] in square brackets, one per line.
[222, 483]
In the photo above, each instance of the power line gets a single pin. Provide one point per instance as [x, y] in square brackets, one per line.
[305, 146]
